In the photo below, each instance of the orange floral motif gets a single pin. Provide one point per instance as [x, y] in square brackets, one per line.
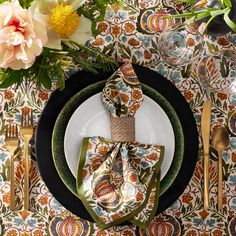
[139, 197]
[6, 198]
[43, 200]
[84, 172]
[147, 54]
[187, 198]
[113, 93]
[101, 233]
[153, 156]
[178, 6]
[96, 165]
[152, 198]
[135, 107]
[190, 42]
[222, 96]
[102, 27]
[133, 42]
[124, 97]
[43, 95]
[205, 234]
[223, 41]
[188, 95]
[234, 157]
[191, 233]
[224, 200]
[217, 232]
[127, 233]
[98, 42]
[8, 95]
[116, 31]
[116, 7]
[52, 212]
[115, 217]
[137, 160]
[102, 150]
[203, 214]
[137, 94]
[133, 177]
[25, 110]
[24, 214]
[37, 232]
[129, 27]
[12, 232]
[178, 213]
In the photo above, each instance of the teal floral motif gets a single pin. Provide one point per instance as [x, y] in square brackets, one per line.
[162, 69]
[232, 99]
[175, 76]
[233, 143]
[233, 204]
[232, 180]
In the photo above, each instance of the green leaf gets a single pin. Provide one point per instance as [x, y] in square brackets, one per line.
[227, 3]
[10, 77]
[46, 81]
[202, 15]
[217, 12]
[228, 21]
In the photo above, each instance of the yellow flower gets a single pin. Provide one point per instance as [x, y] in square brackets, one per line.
[64, 19]
[63, 22]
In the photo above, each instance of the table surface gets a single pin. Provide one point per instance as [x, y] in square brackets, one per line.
[130, 34]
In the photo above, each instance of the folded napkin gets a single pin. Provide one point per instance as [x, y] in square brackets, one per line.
[118, 180]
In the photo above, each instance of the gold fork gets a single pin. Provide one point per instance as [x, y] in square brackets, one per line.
[11, 143]
[26, 132]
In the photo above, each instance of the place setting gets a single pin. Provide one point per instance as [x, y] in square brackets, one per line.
[71, 116]
[117, 117]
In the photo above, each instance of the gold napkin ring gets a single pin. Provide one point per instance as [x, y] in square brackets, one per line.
[122, 128]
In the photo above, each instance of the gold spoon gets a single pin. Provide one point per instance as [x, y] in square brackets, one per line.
[220, 142]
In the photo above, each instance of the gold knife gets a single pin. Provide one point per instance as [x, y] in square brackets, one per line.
[205, 131]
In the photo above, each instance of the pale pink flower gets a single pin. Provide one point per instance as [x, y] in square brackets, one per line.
[22, 36]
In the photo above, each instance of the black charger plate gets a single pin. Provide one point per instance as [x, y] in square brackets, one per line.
[81, 80]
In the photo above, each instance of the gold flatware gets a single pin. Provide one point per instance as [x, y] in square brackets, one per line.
[220, 142]
[11, 143]
[205, 131]
[26, 132]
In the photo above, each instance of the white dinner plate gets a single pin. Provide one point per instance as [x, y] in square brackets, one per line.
[152, 126]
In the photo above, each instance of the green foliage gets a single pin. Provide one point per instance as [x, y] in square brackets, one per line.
[91, 59]
[52, 65]
[25, 3]
[95, 10]
[194, 13]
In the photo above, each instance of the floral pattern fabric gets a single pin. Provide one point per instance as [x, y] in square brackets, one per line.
[115, 179]
[131, 34]
[122, 95]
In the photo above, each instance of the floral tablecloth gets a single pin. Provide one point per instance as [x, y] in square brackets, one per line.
[130, 32]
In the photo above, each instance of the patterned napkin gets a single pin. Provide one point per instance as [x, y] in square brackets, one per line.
[118, 180]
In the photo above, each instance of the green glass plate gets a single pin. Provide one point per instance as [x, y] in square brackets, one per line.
[62, 120]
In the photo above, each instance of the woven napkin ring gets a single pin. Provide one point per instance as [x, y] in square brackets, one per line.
[122, 128]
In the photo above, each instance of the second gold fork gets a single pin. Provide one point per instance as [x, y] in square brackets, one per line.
[11, 143]
[26, 132]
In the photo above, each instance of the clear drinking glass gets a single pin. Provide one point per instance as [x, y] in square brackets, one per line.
[181, 45]
[217, 72]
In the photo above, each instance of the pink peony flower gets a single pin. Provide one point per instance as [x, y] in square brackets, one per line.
[22, 36]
